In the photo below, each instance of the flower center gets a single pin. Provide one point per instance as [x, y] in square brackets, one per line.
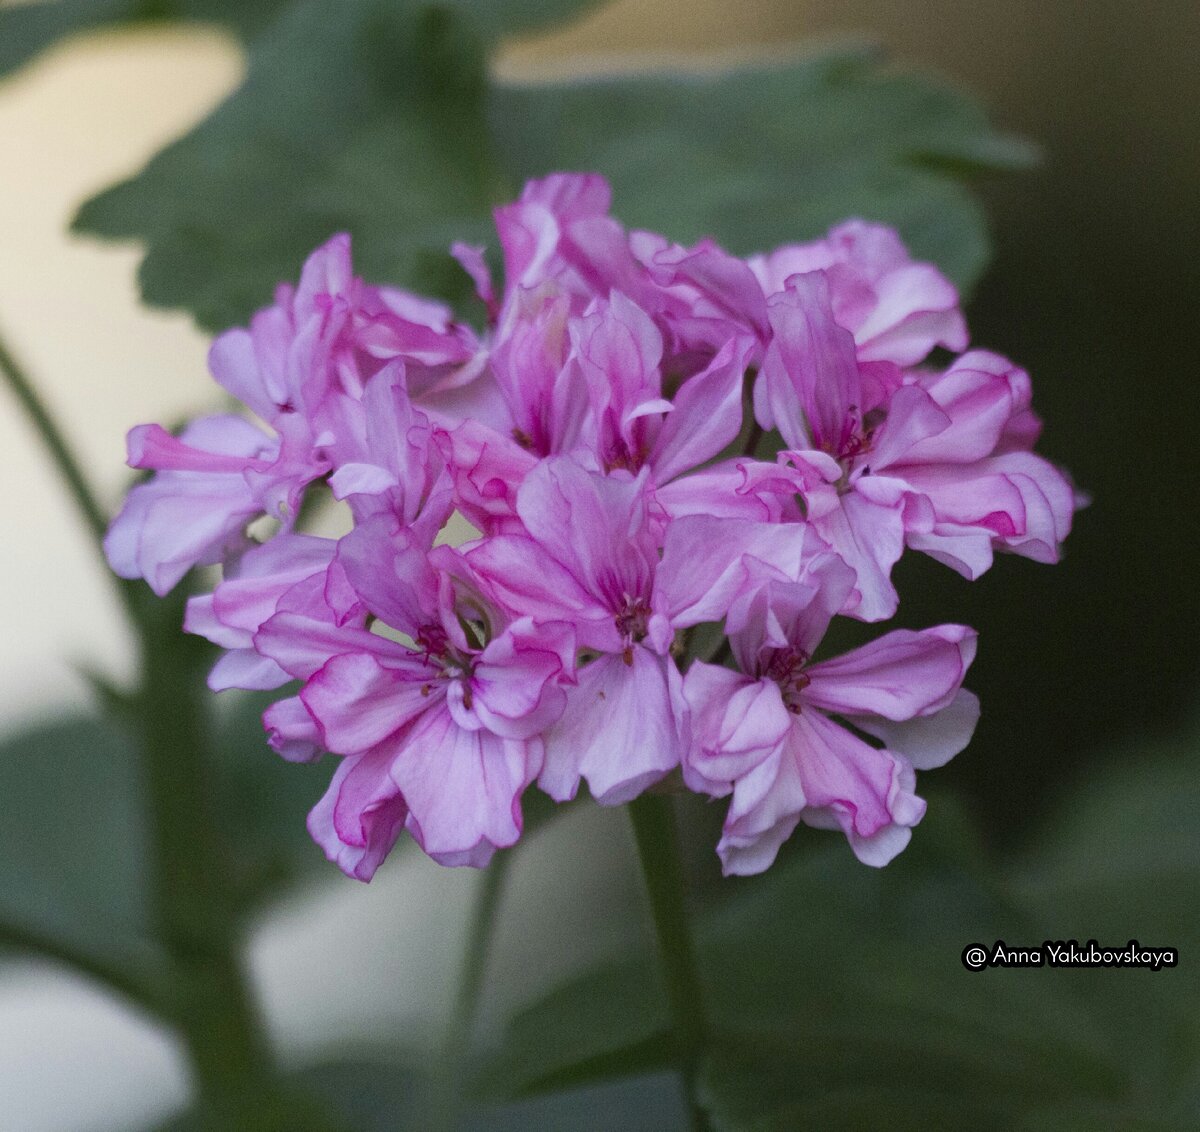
[619, 455]
[632, 621]
[786, 668]
[438, 650]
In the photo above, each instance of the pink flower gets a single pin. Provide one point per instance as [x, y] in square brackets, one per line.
[595, 435]
[882, 458]
[764, 734]
[290, 572]
[593, 386]
[589, 555]
[300, 366]
[440, 736]
[897, 310]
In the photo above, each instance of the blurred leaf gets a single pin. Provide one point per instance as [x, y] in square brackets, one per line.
[74, 843]
[28, 29]
[641, 1103]
[837, 996]
[72, 836]
[263, 801]
[771, 154]
[377, 117]
[1122, 864]
[606, 1023]
[367, 117]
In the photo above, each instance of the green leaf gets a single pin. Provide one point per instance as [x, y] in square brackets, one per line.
[770, 154]
[368, 119]
[72, 835]
[29, 29]
[263, 802]
[837, 996]
[73, 843]
[1123, 863]
[609, 1022]
[378, 118]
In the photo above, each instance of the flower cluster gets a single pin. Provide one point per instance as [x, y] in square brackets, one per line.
[605, 438]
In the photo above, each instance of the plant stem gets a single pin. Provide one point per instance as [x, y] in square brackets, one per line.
[193, 902]
[143, 980]
[208, 998]
[657, 838]
[54, 441]
[59, 451]
[450, 1070]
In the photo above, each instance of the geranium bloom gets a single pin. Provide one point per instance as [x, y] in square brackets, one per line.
[598, 434]
[299, 366]
[764, 733]
[593, 553]
[896, 309]
[884, 458]
[441, 735]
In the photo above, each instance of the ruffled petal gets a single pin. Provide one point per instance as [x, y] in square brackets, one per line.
[620, 729]
[898, 676]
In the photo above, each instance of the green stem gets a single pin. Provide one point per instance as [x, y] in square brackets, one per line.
[209, 999]
[64, 460]
[193, 903]
[55, 442]
[451, 1068]
[657, 838]
[143, 980]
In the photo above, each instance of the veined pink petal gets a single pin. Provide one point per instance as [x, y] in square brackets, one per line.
[522, 576]
[869, 537]
[358, 702]
[897, 676]
[735, 723]
[596, 526]
[849, 785]
[619, 730]
[292, 732]
[471, 258]
[927, 741]
[707, 414]
[231, 445]
[463, 788]
[361, 815]
[764, 811]
[916, 308]
[913, 420]
[980, 394]
[244, 668]
[301, 645]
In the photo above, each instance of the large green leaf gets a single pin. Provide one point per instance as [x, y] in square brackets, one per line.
[74, 839]
[378, 117]
[367, 117]
[770, 154]
[28, 29]
[838, 999]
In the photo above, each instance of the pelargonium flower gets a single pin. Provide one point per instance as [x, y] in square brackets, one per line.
[885, 458]
[299, 367]
[440, 735]
[765, 734]
[595, 433]
[897, 310]
[598, 553]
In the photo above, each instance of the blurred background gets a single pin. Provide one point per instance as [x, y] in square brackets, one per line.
[1093, 289]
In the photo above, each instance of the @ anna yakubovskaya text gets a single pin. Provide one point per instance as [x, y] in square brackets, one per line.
[1068, 953]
